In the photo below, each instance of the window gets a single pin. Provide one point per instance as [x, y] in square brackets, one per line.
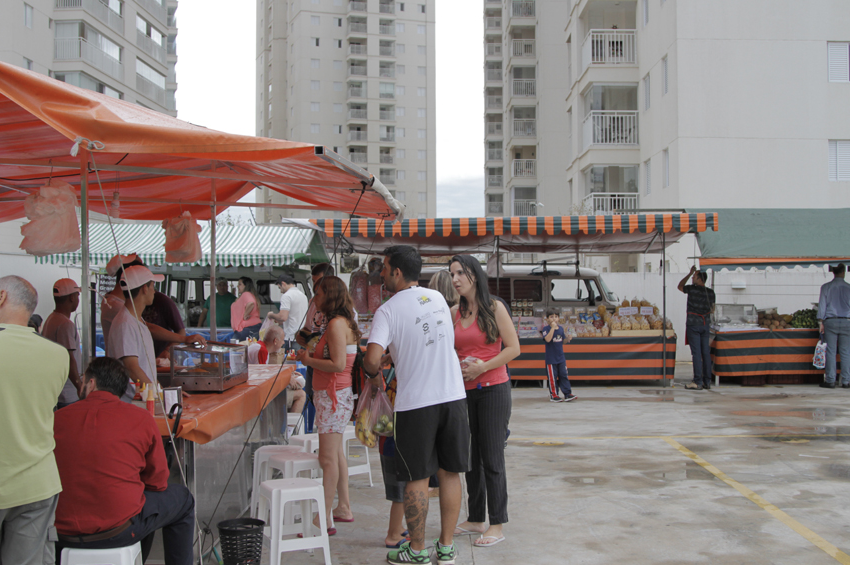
[647, 176]
[314, 128]
[839, 160]
[664, 79]
[401, 6]
[338, 22]
[28, 64]
[387, 90]
[399, 175]
[400, 153]
[28, 12]
[420, 29]
[400, 90]
[314, 41]
[338, 66]
[421, 8]
[399, 27]
[338, 43]
[420, 49]
[645, 11]
[338, 87]
[315, 107]
[422, 71]
[423, 197]
[148, 30]
[420, 112]
[421, 175]
[337, 129]
[150, 74]
[399, 110]
[292, 112]
[838, 56]
[315, 20]
[399, 195]
[399, 69]
[665, 174]
[646, 98]
[315, 85]
[314, 63]
[399, 132]
[420, 91]
[337, 107]
[399, 48]
[421, 154]
[421, 133]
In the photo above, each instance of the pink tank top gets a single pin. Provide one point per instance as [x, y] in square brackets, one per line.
[331, 382]
[471, 342]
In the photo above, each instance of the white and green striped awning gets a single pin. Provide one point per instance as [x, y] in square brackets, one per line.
[245, 246]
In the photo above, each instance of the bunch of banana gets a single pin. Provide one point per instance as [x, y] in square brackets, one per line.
[363, 430]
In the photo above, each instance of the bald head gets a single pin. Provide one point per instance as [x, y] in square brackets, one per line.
[18, 299]
[274, 339]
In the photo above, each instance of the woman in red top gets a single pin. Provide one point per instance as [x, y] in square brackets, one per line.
[245, 312]
[332, 361]
[482, 324]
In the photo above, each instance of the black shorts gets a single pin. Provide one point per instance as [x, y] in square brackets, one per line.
[432, 438]
[393, 488]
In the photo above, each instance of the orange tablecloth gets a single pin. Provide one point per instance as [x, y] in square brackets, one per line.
[207, 416]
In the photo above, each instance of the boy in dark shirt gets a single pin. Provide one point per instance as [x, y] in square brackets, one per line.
[556, 366]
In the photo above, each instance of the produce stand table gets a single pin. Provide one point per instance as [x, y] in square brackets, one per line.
[212, 430]
[601, 358]
[761, 357]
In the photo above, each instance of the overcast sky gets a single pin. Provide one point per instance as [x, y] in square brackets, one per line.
[216, 87]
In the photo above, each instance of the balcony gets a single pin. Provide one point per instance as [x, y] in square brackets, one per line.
[386, 29]
[494, 154]
[525, 87]
[609, 47]
[77, 48]
[387, 8]
[523, 48]
[387, 114]
[150, 90]
[608, 203]
[357, 158]
[494, 128]
[494, 102]
[388, 136]
[156, 8]
[386, 72]
[357, 136]
[357, 114]
[494, 181]
[387, 94]
[357, 27]
[356, 49]
[356, 92]
[357, 70]
[387, 51]
[525, 208]
[493, 49]
[387, 179]
[496, 208]
[525, 128]
[356, 6]
[525, 168]
[150, 47]
[387, 159]
[522, 9]
[610, 127]
[494, 75]
[96, 8]
[494, 23]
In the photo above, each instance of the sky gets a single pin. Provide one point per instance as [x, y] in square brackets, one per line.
[216, 49]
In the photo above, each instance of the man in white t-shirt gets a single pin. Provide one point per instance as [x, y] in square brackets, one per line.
[431, 423]
[293, 309]
[59, 328]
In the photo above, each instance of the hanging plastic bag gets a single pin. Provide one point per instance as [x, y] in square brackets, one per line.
[374, 415]
[267, 323]
[819, 360]
[53, 227]
[358, 287]
[182, 244]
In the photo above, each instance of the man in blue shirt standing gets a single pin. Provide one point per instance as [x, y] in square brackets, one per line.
[834, 324]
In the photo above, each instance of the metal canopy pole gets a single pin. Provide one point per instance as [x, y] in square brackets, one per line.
[498, 270]
[213, 290]
[85, 293]
[663, 311]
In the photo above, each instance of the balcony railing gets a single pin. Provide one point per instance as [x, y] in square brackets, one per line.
[149, 89]
[387, 8]
[523, 48]
[522, 8]
[494, 128]
[494, 49]
[77, 48]
[525, 167]
[357, 157]
[494, 23]
[494, 180]
[96, 8]
[493, 74]
[357, 27]
[388, 136]
[496, 208]
[357, 114]
[156, 8]
[356, 92]
[609, 47]
[387, 114]
[525, 208]
[387, 95]
[387, 159]
[608, 203]
[357, 70]
[387, 179]
[357, 136]
[356, 49]
[494, 154]
[525, 87]
[354, 6]
[386, 72]
[525, 128]
[385, 29]
[494, 101]
[385, 51]
[608, 127]
[150, 47]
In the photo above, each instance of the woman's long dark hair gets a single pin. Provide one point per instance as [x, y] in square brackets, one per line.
[486, 305]
[248, 283]
[338, 302]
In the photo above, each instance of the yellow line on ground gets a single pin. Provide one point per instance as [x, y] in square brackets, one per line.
[809, 535]
[731, 436]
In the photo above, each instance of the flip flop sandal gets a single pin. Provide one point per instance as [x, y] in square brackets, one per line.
[464, 532]
[343, 519]
[492, 543]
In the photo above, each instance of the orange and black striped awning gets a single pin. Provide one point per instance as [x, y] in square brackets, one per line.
[530, 234]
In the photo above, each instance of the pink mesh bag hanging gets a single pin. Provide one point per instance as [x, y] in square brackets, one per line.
[53, 224]
[182, 244]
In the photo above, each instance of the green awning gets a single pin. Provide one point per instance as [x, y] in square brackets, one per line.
[245, 246]
[762, 237]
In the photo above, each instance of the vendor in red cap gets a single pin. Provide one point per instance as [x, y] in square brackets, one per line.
[59, 328]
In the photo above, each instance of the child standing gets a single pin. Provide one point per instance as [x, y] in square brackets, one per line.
[556, 366]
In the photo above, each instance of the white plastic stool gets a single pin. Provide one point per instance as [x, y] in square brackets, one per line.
[309, 442]
[261, 470]
[347, 436]
[273, 498]
[131, 555]
[291, 463]
[295, 421]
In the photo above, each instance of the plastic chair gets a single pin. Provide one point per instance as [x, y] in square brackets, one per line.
[261, 470]
[347, 436]
[309, 442]
[131, 555]
[274, 496]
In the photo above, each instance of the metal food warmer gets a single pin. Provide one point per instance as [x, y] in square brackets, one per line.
[214, 368]
[734, 317]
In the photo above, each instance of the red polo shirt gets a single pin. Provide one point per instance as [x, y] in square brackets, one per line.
[108, 453]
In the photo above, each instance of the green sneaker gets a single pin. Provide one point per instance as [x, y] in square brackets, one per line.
[446, 554]
[404, 555]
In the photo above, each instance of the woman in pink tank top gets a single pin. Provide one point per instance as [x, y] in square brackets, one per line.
[482, 325]
[332, 361]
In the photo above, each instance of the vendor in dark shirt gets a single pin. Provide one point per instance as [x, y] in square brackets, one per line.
[701, 301]
[164, 313]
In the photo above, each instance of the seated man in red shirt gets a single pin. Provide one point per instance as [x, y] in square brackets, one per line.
[115, 488]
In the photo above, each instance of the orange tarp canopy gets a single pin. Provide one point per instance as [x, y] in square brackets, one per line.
[143, 154]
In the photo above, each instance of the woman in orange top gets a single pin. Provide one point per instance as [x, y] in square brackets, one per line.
[245, 312]
[481, 325]
[332, 362]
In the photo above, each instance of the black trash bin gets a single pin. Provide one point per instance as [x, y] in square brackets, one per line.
[241, 541]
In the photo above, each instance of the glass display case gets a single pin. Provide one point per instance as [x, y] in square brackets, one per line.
[734, 316]
[214, 368]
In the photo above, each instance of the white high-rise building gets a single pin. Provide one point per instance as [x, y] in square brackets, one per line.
[123, 48]
[595, 106]
[358, 77]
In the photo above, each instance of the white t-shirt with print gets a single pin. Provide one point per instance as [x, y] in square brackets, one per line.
[416, 325]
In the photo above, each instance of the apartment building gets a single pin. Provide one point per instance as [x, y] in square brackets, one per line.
[666, 104]
[122, 48]
[357, 77]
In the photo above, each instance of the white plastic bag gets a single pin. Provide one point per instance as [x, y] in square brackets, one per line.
[53, 227]
[182, 244]
[819, 360]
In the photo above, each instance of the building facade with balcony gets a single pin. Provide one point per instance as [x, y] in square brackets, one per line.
[357, 77]
[116, 47]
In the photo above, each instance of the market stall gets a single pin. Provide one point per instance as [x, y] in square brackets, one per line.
[605, 346]
[752, 342]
